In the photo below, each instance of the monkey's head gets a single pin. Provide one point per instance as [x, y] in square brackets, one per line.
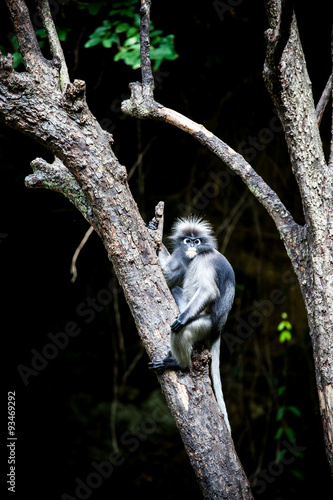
[192, 235]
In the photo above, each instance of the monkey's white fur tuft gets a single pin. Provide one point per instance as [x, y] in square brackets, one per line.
[193, 226]
[191, 252]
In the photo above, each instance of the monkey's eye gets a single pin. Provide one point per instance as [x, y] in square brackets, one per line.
[197, 241]
[187, 241]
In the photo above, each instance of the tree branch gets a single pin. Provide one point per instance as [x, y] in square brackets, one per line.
[324, 100]
[142, 106]
[146, 71]
[58, 178]
[330, 161]
[84, 240]
[158, 220]
[55, 46]
[33, 59]
[286, 77]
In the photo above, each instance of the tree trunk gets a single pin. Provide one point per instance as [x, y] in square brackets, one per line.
[289, 84]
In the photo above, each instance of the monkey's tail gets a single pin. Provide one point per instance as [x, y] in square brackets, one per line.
[216, 379]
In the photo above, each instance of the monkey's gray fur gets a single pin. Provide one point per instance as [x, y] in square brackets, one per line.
[202, 283]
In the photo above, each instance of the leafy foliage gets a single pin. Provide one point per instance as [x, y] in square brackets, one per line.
[285, 327]
[17, 57]
[122, 30]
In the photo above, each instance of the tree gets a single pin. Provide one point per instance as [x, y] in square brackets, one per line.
[43, 103]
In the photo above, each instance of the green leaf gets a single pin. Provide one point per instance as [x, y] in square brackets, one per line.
[280, 455]
[278, 433]
[155, 33]
[62, 34]
[133, 40]
[290, 433]
[280, 413]
[297, 474]
[100, 31]
[284, 325]
[107, 43]
[162, 47]
[15, 44]
[295, 411]
[133, 31]
[129, 12]
[281, 390]
[41, 33]
[17, 59]
[285, 336]
[122, 27]
[93, 7]
[92, 42]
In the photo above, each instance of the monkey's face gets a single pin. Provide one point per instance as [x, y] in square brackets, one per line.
[191, 246]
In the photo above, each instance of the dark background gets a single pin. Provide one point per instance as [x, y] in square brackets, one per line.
[95, 396]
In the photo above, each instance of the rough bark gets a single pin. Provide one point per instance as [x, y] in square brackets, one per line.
[287, 79]
[43, 104]
[310, 246]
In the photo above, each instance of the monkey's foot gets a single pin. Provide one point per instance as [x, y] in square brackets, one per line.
[168, 363]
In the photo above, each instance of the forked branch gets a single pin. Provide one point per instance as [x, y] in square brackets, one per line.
[52, 35]
[142, 105]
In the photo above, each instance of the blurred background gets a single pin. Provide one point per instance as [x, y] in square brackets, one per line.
[91, 419]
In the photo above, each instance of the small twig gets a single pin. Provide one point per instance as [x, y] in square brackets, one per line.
[55, 46]
[133, 364]
[138, 161]
[146, 71]
[84, 240]
[58, 178]
[147, 108]
[158, 221]
[230, 223]
[26, 37]
[324, 100]
[233, 213]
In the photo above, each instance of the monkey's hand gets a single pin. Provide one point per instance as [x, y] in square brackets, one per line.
[177, 326]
